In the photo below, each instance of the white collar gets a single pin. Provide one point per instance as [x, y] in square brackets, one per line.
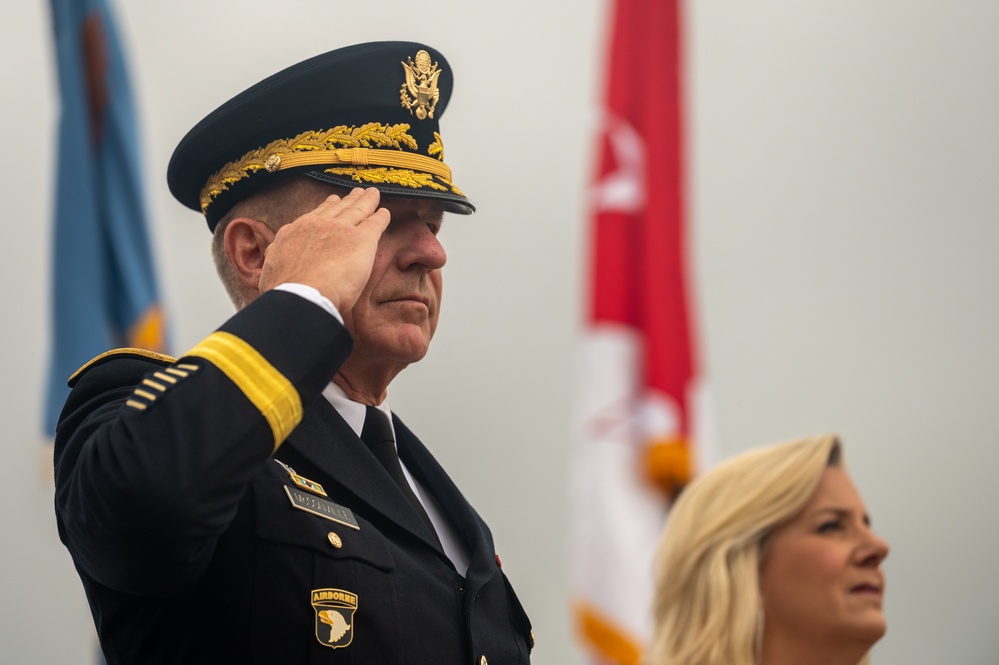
[351, 411]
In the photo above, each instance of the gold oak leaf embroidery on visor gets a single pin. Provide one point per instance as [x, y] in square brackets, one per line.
[266, 388]
[405, 177]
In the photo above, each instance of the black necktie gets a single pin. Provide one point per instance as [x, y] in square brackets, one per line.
[377, 434]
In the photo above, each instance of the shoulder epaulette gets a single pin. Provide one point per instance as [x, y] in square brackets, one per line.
[137, 354]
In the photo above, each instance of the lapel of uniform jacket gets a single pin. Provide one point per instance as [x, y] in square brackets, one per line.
[482, 554]
[325, 440]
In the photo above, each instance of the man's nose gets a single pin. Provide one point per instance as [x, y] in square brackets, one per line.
[423, 248]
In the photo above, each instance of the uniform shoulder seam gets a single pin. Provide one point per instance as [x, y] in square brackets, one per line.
[138, 354]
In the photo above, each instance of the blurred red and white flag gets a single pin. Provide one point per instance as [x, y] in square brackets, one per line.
[641, 396]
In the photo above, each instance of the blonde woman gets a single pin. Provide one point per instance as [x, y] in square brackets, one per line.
[769, 559]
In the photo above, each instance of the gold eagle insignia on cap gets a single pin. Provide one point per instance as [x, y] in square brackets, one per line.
[421, 83]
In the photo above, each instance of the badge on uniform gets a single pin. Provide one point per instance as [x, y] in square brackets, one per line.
[334, 616]
[301, 481]
[321, 507]
[312, 504]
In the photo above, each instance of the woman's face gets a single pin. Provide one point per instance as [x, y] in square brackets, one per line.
[821, 577]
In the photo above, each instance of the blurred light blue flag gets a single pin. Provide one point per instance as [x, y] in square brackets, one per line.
[104, 286]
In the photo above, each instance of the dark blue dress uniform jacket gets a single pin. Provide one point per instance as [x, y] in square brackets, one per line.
[179, 522]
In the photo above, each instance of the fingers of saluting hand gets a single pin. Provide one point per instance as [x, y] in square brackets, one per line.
[356, 208]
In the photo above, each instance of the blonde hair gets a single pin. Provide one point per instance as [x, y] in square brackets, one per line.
[275, 206]
[707, 604]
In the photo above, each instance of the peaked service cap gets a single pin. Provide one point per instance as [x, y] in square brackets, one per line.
[363, 115]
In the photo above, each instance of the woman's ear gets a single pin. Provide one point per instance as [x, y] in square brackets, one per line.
[246, 241]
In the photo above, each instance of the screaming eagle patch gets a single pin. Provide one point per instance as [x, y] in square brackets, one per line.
[334, 616]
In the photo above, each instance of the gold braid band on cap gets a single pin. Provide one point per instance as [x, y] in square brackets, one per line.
[340, 145]
[361, 157]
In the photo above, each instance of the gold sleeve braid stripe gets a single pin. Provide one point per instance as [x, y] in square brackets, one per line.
[266, 388]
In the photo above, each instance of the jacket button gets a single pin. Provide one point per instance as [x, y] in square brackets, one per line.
[335, 540]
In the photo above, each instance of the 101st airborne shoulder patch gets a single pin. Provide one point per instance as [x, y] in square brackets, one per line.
[334, 616]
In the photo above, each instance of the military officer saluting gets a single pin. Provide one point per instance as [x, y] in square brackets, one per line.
[255, 500]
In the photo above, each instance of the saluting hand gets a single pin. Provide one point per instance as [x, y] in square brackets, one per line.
[331, 248]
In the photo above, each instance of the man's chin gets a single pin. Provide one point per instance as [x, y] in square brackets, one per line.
[408, 345]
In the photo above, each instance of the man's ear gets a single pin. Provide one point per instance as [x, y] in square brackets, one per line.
[246, 241]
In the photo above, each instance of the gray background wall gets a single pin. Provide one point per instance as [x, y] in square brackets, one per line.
[846, 253]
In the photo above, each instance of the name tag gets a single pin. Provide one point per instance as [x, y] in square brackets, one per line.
[321, 507]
